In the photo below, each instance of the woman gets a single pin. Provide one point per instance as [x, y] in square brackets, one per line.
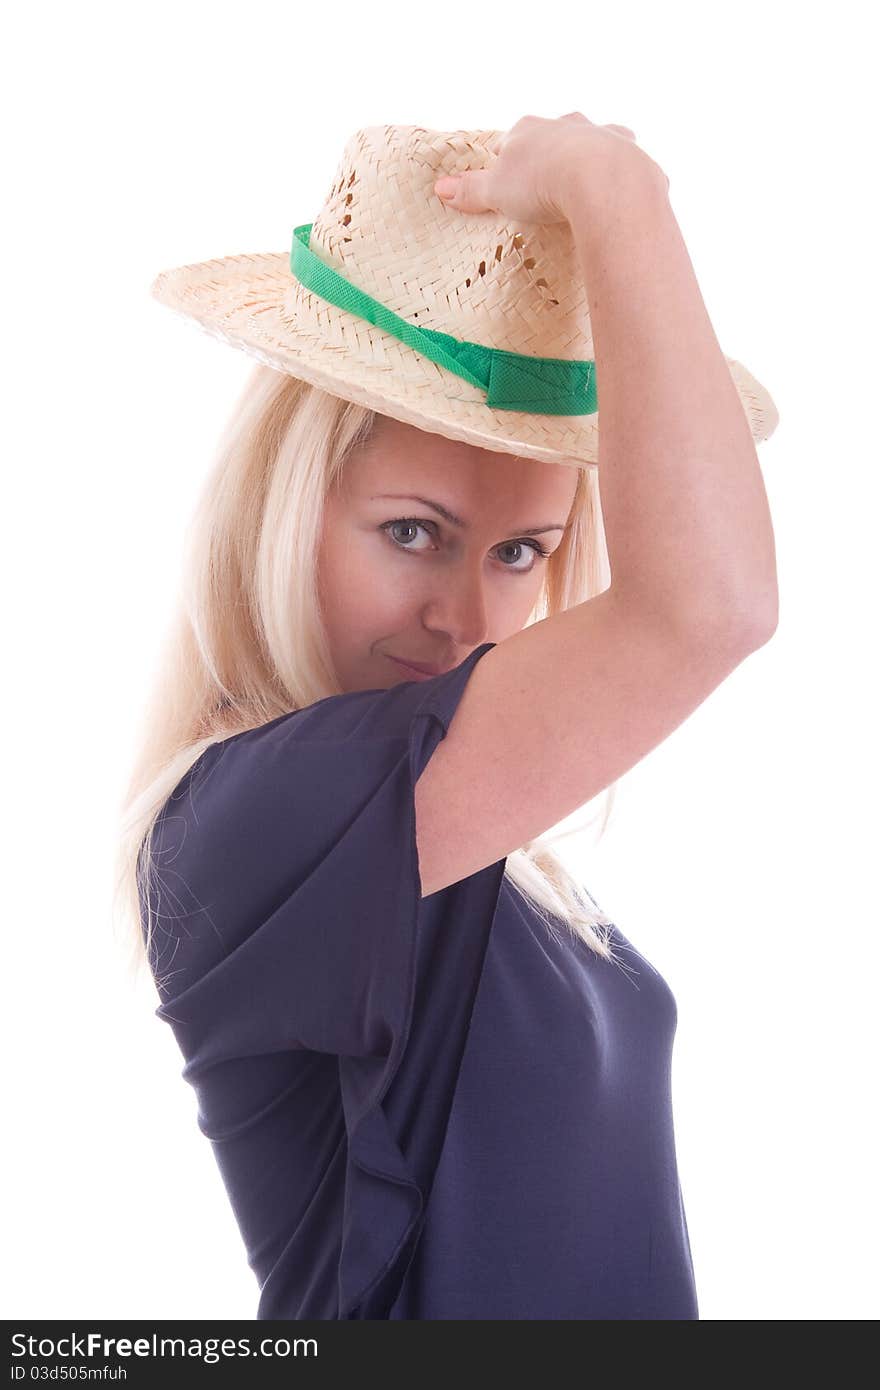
[435, 1075]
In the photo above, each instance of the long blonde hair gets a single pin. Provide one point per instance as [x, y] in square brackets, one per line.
[247, 644]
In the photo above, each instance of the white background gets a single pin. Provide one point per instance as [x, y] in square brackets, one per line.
[740, 858]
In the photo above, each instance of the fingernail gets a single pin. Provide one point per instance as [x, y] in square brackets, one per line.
[445, 187]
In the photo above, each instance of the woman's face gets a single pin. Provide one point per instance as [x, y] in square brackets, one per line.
[399, 580]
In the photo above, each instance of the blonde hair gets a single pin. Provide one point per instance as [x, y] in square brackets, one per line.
[247, 643]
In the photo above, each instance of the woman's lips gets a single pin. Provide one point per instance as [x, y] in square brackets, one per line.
[421, 672]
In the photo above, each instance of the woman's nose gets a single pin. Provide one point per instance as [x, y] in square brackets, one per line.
[460, 609]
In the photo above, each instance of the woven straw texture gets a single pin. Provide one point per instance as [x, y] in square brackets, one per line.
[479, 278]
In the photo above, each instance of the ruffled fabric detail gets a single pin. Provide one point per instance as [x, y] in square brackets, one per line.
[348, 959]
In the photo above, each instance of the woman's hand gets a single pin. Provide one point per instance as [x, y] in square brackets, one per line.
[540, 162]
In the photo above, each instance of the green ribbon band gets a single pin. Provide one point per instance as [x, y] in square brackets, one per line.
[511, 380]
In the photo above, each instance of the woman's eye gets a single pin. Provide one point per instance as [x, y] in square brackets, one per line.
[406, 524]
[530, 549]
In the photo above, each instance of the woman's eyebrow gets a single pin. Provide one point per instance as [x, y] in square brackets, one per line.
[456, 520]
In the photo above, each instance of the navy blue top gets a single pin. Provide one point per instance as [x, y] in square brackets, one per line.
[421, 1108]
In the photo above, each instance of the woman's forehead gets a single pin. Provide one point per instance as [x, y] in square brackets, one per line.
[399, 458]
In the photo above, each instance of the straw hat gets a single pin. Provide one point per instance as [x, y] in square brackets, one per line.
[465, 325]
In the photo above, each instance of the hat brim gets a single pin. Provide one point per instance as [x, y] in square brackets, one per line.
[254, 303]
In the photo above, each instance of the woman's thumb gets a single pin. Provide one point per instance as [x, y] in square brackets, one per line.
[466, 192]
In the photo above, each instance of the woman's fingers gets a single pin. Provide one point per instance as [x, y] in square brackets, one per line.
[579, 116]
[466, 192]
[529, 178]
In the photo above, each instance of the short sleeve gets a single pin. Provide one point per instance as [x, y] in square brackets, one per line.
[287, 861]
